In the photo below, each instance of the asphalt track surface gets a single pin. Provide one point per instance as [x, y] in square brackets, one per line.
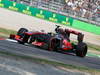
[8, 46]
[17, 66]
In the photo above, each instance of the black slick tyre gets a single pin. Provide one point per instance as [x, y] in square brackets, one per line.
[21, 31]
[81, 49]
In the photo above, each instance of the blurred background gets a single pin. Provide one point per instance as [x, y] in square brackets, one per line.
[85, 10]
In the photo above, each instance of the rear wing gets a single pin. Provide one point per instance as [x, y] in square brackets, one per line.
[67, 32]
[80, 35]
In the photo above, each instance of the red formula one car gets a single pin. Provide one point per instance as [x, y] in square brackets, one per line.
[59, 41]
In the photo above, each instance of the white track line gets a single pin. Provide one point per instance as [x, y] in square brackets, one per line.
[11, 40]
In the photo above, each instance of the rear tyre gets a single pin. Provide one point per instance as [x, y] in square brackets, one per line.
[21, 31]
[81, 49]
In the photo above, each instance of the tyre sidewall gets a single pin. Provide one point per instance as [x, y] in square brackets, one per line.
[81, 49]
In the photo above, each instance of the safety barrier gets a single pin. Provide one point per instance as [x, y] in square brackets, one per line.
[51, 16]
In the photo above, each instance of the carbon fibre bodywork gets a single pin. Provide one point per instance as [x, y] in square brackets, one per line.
[60, 41]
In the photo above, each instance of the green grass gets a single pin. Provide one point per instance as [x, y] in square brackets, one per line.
[93, 46]
[7, 31]
[56, 64]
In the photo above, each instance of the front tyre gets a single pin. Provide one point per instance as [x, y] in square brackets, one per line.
[21, 31]
[81, 49]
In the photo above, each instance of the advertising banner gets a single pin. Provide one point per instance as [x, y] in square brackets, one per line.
[50, 16]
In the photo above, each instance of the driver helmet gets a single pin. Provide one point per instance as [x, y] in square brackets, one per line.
[43, 31]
